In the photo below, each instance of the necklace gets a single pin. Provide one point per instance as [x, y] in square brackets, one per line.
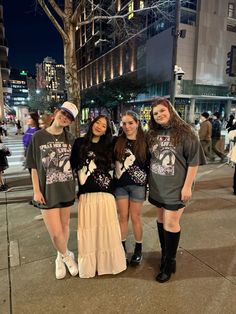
[56, 137]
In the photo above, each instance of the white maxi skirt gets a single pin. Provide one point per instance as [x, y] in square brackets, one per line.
[99, 240]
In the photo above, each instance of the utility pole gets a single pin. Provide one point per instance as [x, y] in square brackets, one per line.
[175, 34]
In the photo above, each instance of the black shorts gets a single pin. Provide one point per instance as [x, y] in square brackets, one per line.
[59, 205]
[173, 207]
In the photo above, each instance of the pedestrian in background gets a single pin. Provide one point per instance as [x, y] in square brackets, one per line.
[216, 136]
[4, 153]
[174, 148]
[99, 241]
[18, 127]
[4, 128]
[232, 155]
[53, 183]
[230, 122]
[33, 126]
[131, 161]
[205, 133]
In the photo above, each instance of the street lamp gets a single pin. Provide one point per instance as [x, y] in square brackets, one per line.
[178, 75]
[176, 33]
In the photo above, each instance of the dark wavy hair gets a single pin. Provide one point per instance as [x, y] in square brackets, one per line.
[104, 151]
[140, 145]
[179, 128]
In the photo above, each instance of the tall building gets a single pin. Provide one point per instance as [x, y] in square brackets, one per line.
[143, 47]
[5, 89]
[20, 94]
[50, 77]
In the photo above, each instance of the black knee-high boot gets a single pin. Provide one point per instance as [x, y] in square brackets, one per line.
[169, 266]
[160, 230]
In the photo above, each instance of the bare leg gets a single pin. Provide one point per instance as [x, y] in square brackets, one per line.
[172, 220]
[135, 212]
[123, 211]
[65, 222]
[52, 220]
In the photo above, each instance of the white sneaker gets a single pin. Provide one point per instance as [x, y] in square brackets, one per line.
[60, 268]
[69, 260]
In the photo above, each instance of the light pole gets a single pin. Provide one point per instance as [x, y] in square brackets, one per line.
[175, 34]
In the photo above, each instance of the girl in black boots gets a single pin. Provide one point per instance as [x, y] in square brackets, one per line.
[174, 149]
[131, 179]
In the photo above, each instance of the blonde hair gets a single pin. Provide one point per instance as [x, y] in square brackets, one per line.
[46, 119]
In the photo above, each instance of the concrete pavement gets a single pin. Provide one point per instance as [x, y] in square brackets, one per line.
[205, 282]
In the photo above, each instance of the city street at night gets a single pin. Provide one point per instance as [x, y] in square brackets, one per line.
[205, 281]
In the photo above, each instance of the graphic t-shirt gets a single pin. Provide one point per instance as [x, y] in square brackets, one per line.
[169, 165]
[50, 155]
[91, 177]
[130, 171]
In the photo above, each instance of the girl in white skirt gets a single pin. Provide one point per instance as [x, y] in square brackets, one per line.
[99, 240]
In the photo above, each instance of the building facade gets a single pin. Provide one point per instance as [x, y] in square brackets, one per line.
[143, 47]
[50, 78]
[19, 86]
[5, 89]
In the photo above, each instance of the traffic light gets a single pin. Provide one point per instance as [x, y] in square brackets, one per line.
[231, 62]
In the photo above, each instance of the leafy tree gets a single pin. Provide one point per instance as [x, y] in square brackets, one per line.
[113, 93]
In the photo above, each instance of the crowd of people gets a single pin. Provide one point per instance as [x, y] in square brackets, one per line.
[115, 175]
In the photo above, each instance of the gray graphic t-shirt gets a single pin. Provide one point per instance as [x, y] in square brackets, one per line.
[50, 155]
[168, 167]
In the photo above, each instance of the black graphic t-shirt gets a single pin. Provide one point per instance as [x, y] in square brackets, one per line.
[52, 160]
[91, 177]
[130, 171]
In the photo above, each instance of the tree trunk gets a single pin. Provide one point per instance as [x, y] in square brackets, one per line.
[72, 83]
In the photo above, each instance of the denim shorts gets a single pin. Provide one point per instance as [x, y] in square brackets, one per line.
[135, 193]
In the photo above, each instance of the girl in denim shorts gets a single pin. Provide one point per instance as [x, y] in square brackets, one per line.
[130, 179]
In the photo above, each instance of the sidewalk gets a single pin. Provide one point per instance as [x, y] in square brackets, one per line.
[205, 282]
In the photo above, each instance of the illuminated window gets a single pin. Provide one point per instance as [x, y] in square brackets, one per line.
[131, 10]
[141, 4]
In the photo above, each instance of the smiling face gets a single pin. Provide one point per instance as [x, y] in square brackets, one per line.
[130, 126]
[99, 127]
[161, 114]
[62, 118]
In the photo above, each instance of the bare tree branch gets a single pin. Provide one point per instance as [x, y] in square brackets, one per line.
[57, 9]
[53, 20]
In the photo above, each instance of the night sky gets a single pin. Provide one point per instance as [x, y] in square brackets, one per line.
[30, 34]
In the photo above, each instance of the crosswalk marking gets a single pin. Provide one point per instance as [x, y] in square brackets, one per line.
[15, 145]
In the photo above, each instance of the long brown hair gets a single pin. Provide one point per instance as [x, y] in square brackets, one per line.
[179, 128]
[35, 117]
[140, 145]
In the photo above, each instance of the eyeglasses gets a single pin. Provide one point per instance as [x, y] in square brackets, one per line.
[67, 115]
